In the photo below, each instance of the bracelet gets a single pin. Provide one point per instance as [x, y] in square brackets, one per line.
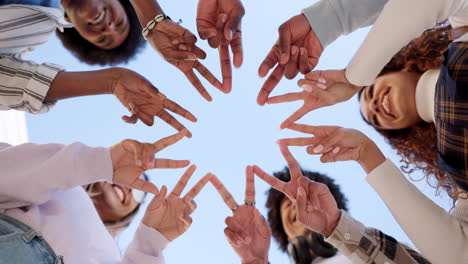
[152, 23]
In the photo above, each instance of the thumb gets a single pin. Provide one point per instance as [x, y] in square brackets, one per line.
[158, 199]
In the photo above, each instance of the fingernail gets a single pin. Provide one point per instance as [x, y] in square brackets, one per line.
[302, 51]
[309, 208]
[224, 18]
[336, 150]
[321, 80]
[307, 88]
[139, 163]
[175, 42]
[283, 57]
[191, 57]
[318, 149]
[322, 86]
[294, 50]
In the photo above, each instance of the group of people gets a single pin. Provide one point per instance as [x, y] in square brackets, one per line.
[64, 203]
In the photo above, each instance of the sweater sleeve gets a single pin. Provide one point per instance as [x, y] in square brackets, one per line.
[399, 22]
[32, 172]
[332, 18]
[147, 247]
[363, 245]
[439, 236]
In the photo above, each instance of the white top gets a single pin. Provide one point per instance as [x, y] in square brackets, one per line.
[337, 259]
[399, 23]
[440, 237]
[41, 187]
[425, 95]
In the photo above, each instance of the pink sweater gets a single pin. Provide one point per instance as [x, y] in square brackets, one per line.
[40, 186]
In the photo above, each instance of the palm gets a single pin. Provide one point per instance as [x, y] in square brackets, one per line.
[167, 217]
[260, 235]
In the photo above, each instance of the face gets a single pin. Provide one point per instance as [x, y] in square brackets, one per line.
[292, 227]
[390, 102]
[112, 202]
[104, 23]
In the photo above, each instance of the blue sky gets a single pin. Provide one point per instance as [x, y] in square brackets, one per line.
[232, 131]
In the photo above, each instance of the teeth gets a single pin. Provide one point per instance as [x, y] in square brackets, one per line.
[99, 18]
[119, 192]
[385, 104]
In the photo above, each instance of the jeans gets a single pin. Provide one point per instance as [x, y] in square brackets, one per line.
[20, 244]
[46, 3]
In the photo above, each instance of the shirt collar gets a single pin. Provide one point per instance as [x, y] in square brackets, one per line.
[425, 92]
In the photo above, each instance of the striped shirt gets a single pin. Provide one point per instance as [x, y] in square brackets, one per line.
[24, 84]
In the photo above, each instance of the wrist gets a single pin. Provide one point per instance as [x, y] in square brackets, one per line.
[113, 76]
[371, 157]
[335, 219]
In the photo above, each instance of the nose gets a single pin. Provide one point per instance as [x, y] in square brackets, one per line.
[108, 27]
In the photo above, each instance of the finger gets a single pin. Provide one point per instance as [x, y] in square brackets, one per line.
[189, 39]
[208, 76]
[234, 226]
[226, 70]
[269, 62]
[175, 108]
[284, 42]
[298, 141]
[220, 23]
[199, 186]
[285, 98]
[291, 68]
[304, 65]
[169, 119]
[249, 185]
[271, 180]
[170, 164]
[234, 21]
[332, 140]
[270, 84]
[144, 186]
[147, 156]
[198, 85]
[232, 238]
[144, 117]
[175, 31]
[170, 140]
[227, 197]
[214, 42]
[262, 225]
[201, 54]
[207, 32]
[301, 205]
[178, 55]
[180, 185]
[158, 199]
[130, 119]
[237, 50]
[294, 168]
[186, 220]
[294, 117]
[190, 205]
[303, 128]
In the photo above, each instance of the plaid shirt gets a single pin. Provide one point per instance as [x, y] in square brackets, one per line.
[368, 245]
[451, 113]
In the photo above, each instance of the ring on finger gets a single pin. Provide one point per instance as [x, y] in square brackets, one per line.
[249, 203]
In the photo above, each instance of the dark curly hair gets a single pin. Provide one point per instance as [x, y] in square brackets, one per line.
[275, 198]
[90, 54]
[417, 145]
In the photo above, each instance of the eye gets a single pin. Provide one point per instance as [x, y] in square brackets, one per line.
[376, 122]
[370, 91]
[120, 23]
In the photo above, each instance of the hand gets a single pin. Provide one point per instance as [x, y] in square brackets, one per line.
[326, 79]
[297, 50]
[313, 98]
[338, 144]
[131, 158]
[177, 46]
[145, 101]
[247, 230]
[170, 215]
[219, 21]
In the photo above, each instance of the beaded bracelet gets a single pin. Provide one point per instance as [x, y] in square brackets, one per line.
[152, 23]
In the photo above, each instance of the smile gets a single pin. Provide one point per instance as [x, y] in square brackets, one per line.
[386, 104]
[99, 18]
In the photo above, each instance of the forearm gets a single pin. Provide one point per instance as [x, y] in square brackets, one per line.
[427, 225]
[32, 172]
[371, 157]
[368, 245]
[76, 84]
[332, 18]
[146, 10]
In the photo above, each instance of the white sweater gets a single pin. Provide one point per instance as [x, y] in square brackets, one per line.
[41, 187]
[400, 22]
[441, 237]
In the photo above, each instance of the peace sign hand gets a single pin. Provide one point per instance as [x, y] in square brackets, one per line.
[338, 144]
[170, 215]
[247, 230]
[131, 158]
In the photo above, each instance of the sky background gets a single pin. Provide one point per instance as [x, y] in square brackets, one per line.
[232, 131]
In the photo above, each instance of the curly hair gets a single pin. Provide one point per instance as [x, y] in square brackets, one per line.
[275, 198]
[417, 145]
[90, 54]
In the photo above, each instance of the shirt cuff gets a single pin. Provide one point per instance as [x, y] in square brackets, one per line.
[45, 75]
[93, 164]
[384, 171]
[324, 22]
[348, 232]
[147, 244]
